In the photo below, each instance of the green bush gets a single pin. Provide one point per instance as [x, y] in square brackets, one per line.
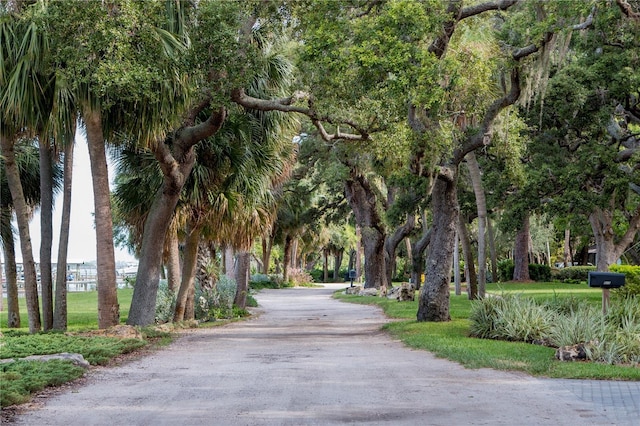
[537, 272]
[216, 303]
[632, 279]
[540, 273]
[299, 277]
[573, 274]
[613, 338]
[165, 303]
[260, 281]
[505, 270]
[20, 378]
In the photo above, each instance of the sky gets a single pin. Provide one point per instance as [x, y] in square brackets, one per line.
[82, 237]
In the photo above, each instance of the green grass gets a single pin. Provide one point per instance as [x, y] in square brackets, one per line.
[82, 311]
[451, 339]
[21, 378]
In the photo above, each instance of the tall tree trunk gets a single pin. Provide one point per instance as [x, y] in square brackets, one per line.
[417, 256]
[229, 261]
[608, 251]
[434, 295]
[481, 204]
[60, 312]
[10, 272]
[521, 252]
[363, 202]
[286, 257]
[471, 277]
[358, 257]
[567, 257]
[190, 264]
[493, 251]
[176, 159]
[456, 266]
[392, 242]
[173, 260]
[46, 231]
[266, 254]
[22, 217]
[108, 308]
[337, 264]
[242, 279]
[325, 265]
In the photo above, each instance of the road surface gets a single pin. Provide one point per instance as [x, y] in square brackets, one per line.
[308, 359]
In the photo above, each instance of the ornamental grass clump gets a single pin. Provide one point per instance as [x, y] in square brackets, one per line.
[613, 338]
[523, 320]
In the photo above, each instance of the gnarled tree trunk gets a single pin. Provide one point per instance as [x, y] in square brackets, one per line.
[363, 201]
[608, 250]
[188, 273]
[391, 244]
[434, 295]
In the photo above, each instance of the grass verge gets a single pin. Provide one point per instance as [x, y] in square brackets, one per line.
[451, 339]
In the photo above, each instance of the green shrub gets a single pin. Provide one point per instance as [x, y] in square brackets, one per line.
[260, 281]
[537, 272]
[522, 319]
[540, 273]
[505, 270]
[165, 303]
[20, 378]
[632, 279]
[483, 316]
[573, 274]
[299, 277]
[585, 324]
[216, 303]
[613, 338]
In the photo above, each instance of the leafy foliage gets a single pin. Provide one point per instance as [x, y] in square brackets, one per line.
[95, 349]
[612, 338]
[632, 279]
[21, 378]
[217, 302]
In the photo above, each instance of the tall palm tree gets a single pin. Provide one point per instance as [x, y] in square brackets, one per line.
[127, 88]
[27, 162]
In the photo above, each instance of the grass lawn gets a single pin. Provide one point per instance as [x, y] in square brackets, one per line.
[451, 339]
[82, 310]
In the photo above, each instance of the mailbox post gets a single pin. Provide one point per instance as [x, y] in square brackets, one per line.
[606, 281]
[352, 276]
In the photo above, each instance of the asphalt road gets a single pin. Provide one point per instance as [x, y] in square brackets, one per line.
[308, 359]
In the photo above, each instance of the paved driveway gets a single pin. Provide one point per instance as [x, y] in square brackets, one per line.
[310, 360]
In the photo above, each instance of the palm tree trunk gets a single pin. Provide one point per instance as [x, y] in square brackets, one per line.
[266, 254]
[242, 279]
[10, 272]
[481, 205]
[173, 261]
[60, 312]
[188, 273]
[108, 308]
[46, 231]
[22, 217]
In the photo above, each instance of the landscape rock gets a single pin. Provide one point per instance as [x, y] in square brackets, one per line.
[368, 292]
[407, 292]
[353, 290]
[575, 352]
[76, 359]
